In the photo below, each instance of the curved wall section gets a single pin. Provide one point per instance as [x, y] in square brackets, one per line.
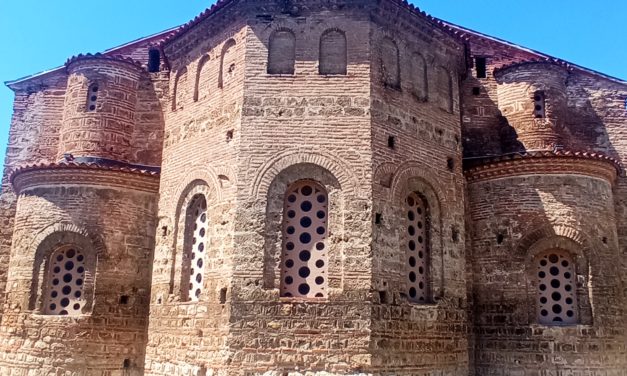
[545, 271]
[73, 254]
[532, 97]
[100, 108]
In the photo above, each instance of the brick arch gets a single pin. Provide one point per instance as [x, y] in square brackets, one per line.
[327, 63]
[50, 240]
[281, 51]
[194, 176]
[414, 177]
[271, 169]
[181, 77]
[193, 189]
[566, 236]
[200, 67]
[560, 238]
[226, 48]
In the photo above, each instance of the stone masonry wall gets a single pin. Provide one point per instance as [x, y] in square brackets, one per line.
[424, 157]
[298, 127]
[570, 212]
[33, 137]
[199, 157]
[119, 227]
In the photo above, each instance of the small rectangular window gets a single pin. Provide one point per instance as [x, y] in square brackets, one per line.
[539, 100]
[481, 67]
[154, 60]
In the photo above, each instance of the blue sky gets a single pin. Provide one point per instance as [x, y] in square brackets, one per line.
[41, 34]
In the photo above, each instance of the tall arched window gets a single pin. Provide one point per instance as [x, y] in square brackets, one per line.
[557, 295]
[281, 52]
[389, 62]
[417, 248]
[65, 283]
[419, 77]
[333, 58]
[194, 249]
[227, 63]
[445, 89]
[304, 257]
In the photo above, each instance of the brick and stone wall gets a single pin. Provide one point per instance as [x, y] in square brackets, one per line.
[374, 104]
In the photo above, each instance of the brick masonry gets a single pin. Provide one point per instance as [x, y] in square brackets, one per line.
[229, 117]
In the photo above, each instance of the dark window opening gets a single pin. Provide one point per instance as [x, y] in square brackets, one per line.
[539, 102]
[377, 219]
[476, 90]
[481, 67]
[124, 299]
[391, 142]
[154, 60]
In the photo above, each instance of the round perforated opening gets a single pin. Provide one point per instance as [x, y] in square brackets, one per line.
[196, 240]
[416, 255]
[66, 281]
[304, 260]
[557, 299]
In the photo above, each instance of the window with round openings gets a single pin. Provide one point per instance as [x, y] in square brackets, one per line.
[66, 283]
[196, 226]
[304, 254]
[92, 97]
[417, 248]
[557, 296]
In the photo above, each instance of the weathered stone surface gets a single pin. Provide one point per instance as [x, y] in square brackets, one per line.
[374, 102]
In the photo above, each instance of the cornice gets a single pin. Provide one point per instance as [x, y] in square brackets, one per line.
[543, 163]
[51, 174]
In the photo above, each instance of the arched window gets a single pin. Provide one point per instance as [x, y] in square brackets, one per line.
[194, 249]
[417, 248]
[92, 97]
[419, 77]
[389, 62]
[333, 59]
[304, 257]
[227, 63]
[180, 86]
[64, 293]
[557, 295]
[445, 89]
[201, 87]
[281, 52]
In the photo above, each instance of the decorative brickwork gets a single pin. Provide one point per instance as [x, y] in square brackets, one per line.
[345, 187]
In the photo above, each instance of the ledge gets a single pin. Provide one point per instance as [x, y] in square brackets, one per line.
[73, 173]
[541, 163]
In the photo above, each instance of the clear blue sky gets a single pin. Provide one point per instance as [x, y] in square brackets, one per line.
[41, 34]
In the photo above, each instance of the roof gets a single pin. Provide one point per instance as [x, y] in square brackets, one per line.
[470, 35]
[82, 166]
[471, 164]
[460, 32]
[118, 51]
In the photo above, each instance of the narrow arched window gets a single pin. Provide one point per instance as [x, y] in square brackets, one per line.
[92, 97]
[180, 86]
[227, 63]
[445, 89]
[557, 294]
[304, 257]
[281, 52]
[333, 58]
[417, 248]
[389, 64]
[419, 77]
[201, 87]
[65, 283]
[194, 249]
